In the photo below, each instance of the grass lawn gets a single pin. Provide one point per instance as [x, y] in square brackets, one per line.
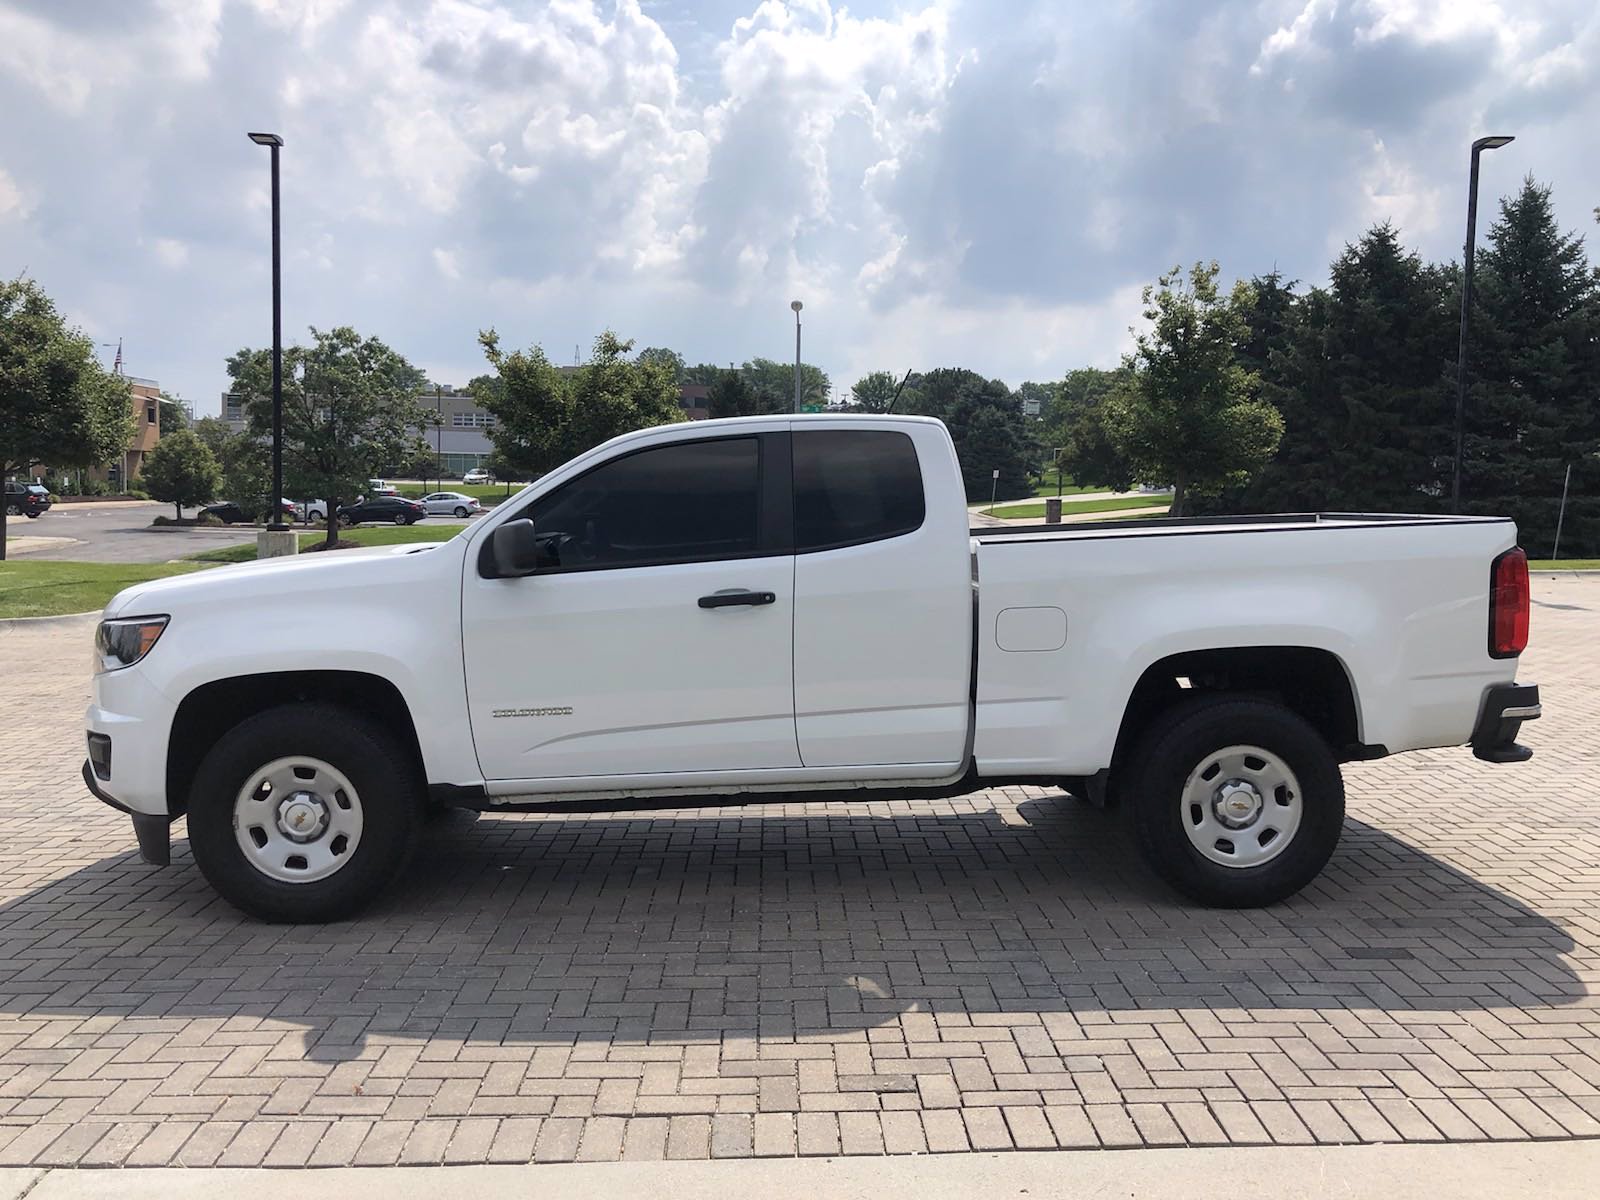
[1068, 508]
[49, 589]
[1068, 488]
[377, 535]
[1564, 564]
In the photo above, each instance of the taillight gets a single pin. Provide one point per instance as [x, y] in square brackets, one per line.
[1508, 604]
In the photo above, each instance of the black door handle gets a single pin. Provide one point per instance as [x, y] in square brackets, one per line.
[729, 599]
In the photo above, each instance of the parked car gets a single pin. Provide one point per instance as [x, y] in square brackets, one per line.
[312, 510]
[477, 475]
[394, 509]
[796, 604]
[453, 504]
[25, 500]
[232, 513]
[380, 487]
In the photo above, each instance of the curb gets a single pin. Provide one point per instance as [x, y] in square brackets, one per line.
[40, 622]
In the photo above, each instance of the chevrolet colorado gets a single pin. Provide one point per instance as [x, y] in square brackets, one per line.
[787, 604]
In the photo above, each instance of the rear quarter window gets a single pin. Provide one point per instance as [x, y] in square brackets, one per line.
[854, 486]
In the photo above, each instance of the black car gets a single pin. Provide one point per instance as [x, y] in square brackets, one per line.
[25, 500]
[391, 509]
[230, 513]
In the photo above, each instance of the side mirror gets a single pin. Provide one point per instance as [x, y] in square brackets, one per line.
[516, 549]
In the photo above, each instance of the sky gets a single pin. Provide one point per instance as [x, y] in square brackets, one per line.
[979, 183]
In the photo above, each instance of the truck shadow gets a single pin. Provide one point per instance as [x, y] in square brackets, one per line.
[771, 922]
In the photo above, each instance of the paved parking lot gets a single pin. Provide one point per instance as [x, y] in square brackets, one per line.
[991, 972]
[121, 532]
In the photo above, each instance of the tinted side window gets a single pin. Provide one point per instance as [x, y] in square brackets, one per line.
[686, 502]
[853, 486]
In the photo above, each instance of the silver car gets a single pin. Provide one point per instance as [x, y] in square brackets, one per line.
[451, 504]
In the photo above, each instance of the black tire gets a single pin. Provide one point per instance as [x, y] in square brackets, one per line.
[1177, 744]
[347, 520]
[13, 511]
[34, 516]
[376, 764]
[400, 518]
[461, 511]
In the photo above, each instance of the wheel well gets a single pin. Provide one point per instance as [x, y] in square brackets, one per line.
[208, 712]
[1311, 683]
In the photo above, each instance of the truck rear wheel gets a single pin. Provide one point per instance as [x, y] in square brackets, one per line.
[304, 814]
[1237, 803]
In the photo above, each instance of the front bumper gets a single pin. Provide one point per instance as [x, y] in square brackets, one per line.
[153, 830]
[1505, 707]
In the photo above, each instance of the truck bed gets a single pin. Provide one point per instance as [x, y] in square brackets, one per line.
[1072, 617]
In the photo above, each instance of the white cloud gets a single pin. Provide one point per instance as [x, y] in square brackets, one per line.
[942, 181]
[171, 253]
[13, 204]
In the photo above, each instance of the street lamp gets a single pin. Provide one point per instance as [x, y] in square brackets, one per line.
[1478, 147]
[275, 142]
[797, 306]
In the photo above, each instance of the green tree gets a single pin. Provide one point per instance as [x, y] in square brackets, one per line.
[732, 396]
[665, 357]
[545, 417]
[984, 418]
[1074, 424]
[1188, 415]
[349, 411]
[773, 382]
[181, 470]
[1533, 399]
[175, 414]
[1359, 372]
[57, 404]
[873, 393]
[612, 395]
[245, 461]
[704, 374]
[530, 399]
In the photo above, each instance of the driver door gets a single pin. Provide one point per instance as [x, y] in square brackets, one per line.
[657, 636]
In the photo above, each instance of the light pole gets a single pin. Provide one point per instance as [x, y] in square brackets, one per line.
[275, 143]
[797, 306]
[1478, 147]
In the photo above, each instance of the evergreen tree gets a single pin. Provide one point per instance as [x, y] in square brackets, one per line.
[1533, 398]
[732, 396]
[985, 422]
[1359, 374]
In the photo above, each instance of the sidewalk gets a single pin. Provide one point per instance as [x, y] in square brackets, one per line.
[1482, 1171]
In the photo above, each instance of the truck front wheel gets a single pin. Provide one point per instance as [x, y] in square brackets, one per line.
[304, 813]
[1237, 803]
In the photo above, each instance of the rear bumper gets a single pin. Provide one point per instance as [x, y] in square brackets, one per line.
[1505, 707]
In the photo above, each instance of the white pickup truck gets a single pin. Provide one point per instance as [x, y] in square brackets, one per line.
[788, 604]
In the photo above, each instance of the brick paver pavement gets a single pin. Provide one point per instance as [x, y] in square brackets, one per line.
[820, 978]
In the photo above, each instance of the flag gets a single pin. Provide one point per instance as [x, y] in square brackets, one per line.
[117, 366]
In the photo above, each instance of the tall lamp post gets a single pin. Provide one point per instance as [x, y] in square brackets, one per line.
[797, 306]
[275, 143]
[1478, 147]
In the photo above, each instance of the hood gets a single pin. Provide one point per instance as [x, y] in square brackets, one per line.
[299, 576]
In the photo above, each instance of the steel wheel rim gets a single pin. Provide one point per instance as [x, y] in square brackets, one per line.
[297, 819]
[1241, 806]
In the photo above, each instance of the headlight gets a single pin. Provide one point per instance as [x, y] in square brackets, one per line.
[120, 644]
